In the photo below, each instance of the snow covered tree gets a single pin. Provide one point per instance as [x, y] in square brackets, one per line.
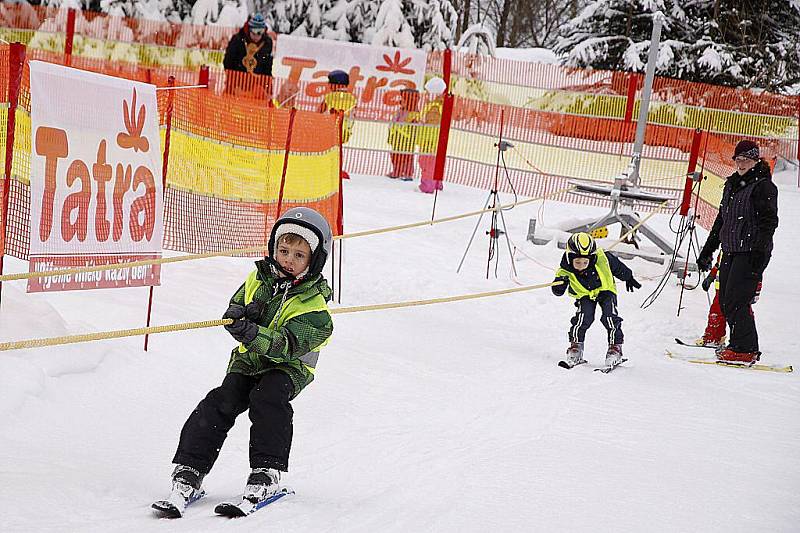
[433, 23]
[363, 14]
[391, 27]
[732, 42]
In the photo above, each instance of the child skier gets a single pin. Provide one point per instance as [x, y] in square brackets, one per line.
[340, 100]
[281, 320]
[587, 273]
[427, 135]
[714, 335]
[401, 136]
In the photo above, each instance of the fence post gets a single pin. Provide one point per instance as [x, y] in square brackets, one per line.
[69, 37]
[16, 62]
[694, 154]
[798, 139]
[447, 67]
[202, 78]
[164, 167]
[292, 113]
[633, 82]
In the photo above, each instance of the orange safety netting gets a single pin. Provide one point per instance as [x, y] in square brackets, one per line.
[225, 170]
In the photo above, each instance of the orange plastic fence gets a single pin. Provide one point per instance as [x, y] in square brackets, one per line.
[226, 163]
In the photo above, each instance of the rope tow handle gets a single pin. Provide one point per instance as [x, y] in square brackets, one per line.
[104, 335]
[251, 249]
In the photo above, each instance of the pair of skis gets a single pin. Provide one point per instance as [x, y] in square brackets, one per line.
[604, 369]
[244, 507]
[730, 364]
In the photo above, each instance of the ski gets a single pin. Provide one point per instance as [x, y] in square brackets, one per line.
[175, 509]
[694, 344]
[246, 507]
[564, 364]
[731, 364]
[607, 369]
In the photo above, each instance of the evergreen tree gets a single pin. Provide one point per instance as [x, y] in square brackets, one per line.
[391, 27]
[731, 42]
[433, 23]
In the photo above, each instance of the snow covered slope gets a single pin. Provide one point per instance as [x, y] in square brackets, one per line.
[451, 417]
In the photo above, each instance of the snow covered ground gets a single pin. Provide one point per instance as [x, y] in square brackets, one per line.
[451, 417]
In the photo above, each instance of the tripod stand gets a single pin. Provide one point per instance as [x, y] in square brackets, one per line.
[493, 203]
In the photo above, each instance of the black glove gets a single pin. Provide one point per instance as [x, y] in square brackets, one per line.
[757, 260]
[252, 311]
[234, 311]
[243, 330]
[560, 288]
[632, 285]
[708, 281]
[704, 263]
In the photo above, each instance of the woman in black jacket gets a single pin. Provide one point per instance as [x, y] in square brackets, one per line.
[745, 224]
[249, 50]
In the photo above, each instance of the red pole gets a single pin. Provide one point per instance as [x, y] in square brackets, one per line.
[292, 113]
[164, 167]
[447, 67]
[202, 79]
[16, 62]
[70, 36]
[693, 156]
[798, 140]
[340, 214]
[444, 136]
[633, 81]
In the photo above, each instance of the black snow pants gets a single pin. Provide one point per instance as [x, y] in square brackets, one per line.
[267, 396]
[738, 280]
[584, 317]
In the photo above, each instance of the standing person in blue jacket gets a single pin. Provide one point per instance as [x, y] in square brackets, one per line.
[744, 227]
[587, 273]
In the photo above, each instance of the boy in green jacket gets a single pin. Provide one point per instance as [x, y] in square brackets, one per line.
[281, 320]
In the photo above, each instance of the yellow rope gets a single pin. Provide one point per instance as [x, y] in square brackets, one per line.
[240, 251]
[87, 337]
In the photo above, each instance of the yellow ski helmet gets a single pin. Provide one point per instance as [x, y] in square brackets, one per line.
[581, 245]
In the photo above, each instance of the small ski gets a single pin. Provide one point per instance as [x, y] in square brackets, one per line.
[607, 369]
[731, 364]
[175, 509]
[246, 507]
[564, 364]
[693, 344]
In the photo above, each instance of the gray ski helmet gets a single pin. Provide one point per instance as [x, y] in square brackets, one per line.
[312, 220]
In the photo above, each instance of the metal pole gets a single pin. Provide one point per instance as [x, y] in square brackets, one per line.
[647, 89]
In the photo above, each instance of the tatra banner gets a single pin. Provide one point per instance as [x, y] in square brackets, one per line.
[96, 184]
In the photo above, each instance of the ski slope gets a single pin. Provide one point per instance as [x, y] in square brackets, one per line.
[444, 418]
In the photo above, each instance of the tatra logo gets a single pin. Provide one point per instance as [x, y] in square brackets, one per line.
[395, 65]
[134, 124]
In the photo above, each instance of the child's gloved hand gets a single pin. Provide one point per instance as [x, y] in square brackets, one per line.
[235, 311]
[243, 330]
[632, 285]
[560, 288]
[708, 281]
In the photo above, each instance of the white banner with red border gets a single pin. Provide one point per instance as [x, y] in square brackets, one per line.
[96, 181]
[370, 67]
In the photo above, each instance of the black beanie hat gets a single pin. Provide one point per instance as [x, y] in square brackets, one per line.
[747, 149]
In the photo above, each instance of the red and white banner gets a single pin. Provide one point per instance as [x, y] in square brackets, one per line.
[96, 185]
[370, 67]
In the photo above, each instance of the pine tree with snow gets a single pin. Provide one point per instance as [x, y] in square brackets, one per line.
[732, 42]
[336, 21]
[433, 23]
[391, 27]
[363, 14]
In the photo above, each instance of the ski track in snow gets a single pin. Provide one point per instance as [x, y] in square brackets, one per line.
[451, 417]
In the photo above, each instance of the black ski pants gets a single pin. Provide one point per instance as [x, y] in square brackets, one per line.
[584, 317]
[267, 396]
[738, 281]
